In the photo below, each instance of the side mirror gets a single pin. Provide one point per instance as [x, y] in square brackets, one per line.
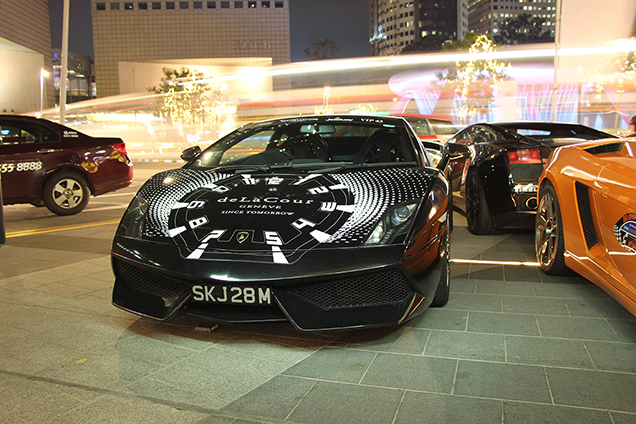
[190, 153]
[456, 152]
[453, 152]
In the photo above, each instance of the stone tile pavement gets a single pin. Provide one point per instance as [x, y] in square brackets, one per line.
[512, 346]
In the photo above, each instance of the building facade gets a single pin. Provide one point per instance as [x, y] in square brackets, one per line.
[80, 76]
[159, 31]
[395, 24]
[485, 16]
[25, 50]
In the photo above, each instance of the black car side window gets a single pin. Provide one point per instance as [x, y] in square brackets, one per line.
[464, 137]
[481, 135]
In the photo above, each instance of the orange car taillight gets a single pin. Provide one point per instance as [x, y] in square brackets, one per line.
[524, 156]
[121, 148]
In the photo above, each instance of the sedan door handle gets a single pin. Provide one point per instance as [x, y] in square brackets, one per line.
[46, 151]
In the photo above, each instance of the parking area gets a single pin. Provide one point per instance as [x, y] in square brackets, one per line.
[513, 345]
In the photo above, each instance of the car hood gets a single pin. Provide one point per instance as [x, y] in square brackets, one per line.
[217, 215]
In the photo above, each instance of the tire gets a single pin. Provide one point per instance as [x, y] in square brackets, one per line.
[549, 245]
[442, 293]
[478, 215]
[65, 193]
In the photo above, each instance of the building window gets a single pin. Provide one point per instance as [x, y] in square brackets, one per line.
[114, 6]
[225, 5]
[197, 5]
[278, 4]
[101, 6]
[265, 4]
[156, 5]
[238, 5]
[251, 5]
[170, 5]
[142, 6]
[128, 6]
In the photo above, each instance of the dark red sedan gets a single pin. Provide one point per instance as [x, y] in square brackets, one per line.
[44, 163]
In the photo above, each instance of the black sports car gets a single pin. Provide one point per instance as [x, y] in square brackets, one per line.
[496, 187]
[330, 222]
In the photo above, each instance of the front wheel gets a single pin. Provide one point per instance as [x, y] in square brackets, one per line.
[548, 239]
[65, 193]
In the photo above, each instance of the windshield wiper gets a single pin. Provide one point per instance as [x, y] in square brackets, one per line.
[241, 169]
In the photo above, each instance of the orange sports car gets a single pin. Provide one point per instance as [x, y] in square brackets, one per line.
[586, 219]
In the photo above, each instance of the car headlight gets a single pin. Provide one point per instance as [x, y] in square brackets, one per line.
[134, 220]
[394, 223]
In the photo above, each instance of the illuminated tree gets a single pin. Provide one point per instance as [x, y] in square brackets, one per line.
[475, 80]
[621, 76]
[184, 98]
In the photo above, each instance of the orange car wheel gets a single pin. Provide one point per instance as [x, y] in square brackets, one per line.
[548, 239]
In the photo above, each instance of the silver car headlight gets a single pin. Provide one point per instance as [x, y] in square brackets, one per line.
[396, 221]
[134, 220]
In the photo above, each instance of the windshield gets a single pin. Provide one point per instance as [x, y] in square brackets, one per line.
[290, 144]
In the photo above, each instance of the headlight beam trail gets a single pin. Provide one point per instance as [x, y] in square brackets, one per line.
[61, 228]
[486, 262]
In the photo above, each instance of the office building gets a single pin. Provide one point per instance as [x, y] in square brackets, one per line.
[395, 24]
[253, 32]
[80, 76]
[485, 16]
[25, 50]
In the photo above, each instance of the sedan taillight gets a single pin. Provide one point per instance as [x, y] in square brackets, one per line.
[121, 148]
[524, 156]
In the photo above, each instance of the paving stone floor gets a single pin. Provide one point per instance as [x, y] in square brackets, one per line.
[512, 346]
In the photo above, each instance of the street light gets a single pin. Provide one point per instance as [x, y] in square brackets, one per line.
[43, 74]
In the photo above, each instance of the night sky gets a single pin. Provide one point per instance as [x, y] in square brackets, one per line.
[345, 22]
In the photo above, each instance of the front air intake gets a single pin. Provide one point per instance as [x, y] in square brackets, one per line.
[370, 290]
[585, 214]
[147, 281]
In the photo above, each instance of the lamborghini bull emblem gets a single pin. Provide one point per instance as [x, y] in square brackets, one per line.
[242, 236]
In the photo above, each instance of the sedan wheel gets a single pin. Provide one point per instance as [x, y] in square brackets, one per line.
[548, 241]
[65, 193]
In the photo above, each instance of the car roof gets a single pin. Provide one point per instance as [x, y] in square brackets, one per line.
[14, 116]
[331, 118]
[415, 115]
[557, 129]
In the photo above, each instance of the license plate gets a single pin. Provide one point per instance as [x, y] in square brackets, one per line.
[235, 295]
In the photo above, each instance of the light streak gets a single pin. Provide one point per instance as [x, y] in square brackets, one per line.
[487, 262]
[335, 65]
[61, 228]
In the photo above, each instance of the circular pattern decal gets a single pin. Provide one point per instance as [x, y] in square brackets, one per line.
[260, 218]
